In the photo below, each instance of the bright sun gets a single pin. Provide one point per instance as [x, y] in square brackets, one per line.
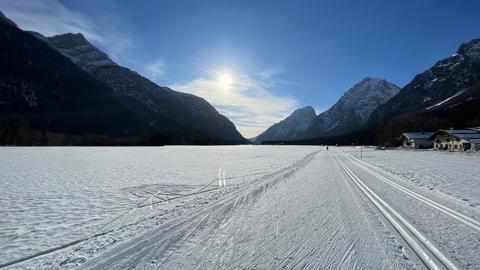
[225, 80]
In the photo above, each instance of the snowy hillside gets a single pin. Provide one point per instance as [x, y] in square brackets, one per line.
[353, 109]
[445, 80]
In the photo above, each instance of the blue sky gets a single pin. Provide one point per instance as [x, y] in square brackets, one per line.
[280, 54]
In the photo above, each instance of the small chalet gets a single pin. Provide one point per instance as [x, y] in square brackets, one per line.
[456, 139]
[418, 140]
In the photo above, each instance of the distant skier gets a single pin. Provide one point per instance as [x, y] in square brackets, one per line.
[327, 148]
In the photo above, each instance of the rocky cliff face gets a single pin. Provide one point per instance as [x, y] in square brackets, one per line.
[353, 109]
[349, 113]
[290, 128]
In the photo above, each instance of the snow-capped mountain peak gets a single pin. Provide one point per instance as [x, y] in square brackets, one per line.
[349, 113]
[353, 109]
[365, 96]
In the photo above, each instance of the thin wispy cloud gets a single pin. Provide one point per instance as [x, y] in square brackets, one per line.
[271, 72]
[52, 17]
[319, 110]
[247, 102]
[155, 69]
[271, 77]
[49, 17]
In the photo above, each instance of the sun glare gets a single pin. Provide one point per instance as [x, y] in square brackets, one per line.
[225, 80]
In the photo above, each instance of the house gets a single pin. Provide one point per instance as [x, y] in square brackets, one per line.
[417, 140]
[456, 139]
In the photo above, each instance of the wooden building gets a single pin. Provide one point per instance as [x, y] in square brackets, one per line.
[456, 139]
[417, 140]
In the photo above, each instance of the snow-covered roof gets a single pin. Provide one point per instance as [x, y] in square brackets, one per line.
[475, 141]
[456, 131]
[470, 135]
[417, 135]
[461, 131]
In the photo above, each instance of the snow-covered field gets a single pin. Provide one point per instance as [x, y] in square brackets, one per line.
[456, 174]
[280, 207]
[53, 196]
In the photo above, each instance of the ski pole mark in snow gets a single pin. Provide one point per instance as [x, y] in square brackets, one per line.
[222, 182]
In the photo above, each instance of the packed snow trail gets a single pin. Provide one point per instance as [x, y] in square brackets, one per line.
[305, 217]
[419, 243]
[474, 224]
[324, 210]
[450, 235]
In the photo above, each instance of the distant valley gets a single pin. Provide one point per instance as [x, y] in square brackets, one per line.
[375, 111]
[62, 90]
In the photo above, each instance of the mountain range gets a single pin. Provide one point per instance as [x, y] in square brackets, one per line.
[64, 85]
[375, 111]
[445, 95]
[62, 90]
[349, 113]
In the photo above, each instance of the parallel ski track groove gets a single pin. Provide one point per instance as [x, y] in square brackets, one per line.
[474, 224]
[419, 243]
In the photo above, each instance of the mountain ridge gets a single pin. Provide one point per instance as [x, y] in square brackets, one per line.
[45, 89]
[349, 113]
[290, 127]
[146, 108]
[441, 81]
[422, 104]
[169, 108]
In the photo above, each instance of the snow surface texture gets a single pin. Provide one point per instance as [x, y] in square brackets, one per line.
[278, 207]
[452, 174]
[52, 196]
